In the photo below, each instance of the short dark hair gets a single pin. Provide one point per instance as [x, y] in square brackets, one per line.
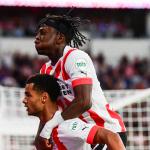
[45, 83]
[68, 26]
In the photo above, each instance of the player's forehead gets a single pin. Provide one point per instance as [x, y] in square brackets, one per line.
[45, 27]
[29, 87]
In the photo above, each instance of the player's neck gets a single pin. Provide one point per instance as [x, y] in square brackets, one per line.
[48, 112]
[58, 54]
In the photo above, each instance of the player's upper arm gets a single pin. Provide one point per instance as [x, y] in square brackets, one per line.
[83, 93]
[77, 66]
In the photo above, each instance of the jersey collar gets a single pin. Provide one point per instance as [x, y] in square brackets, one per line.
[66, 49]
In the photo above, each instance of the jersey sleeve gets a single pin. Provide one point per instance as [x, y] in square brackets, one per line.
[76, 129]
[78, 66]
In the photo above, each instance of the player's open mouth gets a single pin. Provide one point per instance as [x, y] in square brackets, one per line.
[36, 42]
[26, 108]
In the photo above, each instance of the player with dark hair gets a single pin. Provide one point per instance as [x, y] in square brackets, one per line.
[82, 95]
[41, 92]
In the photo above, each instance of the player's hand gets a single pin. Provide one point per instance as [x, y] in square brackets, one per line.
[44, 144]
[55, 121]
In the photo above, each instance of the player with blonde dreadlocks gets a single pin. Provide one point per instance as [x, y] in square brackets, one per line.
[81, 94]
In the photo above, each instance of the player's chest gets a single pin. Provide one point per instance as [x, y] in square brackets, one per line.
[64, 80]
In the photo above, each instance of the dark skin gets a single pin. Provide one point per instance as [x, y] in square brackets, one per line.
[112, 140]
[51, 43]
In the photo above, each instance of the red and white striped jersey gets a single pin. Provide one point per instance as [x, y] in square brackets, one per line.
[73, 134]
[74, 68]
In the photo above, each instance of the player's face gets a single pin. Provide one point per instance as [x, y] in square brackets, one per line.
[32, 100]
[45, 40]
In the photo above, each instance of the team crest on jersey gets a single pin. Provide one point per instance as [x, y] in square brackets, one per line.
[81, 64]
[75, 126]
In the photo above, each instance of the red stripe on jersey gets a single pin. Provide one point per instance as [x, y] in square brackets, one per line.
[91, 134]
[42, 71]
[98, 120]
[64, 73]
[116, 116]
[81, 81]
[82, 118]
[59, 144]
[48, 70]
[58, 69]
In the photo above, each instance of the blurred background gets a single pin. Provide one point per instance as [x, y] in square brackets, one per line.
[119, 45]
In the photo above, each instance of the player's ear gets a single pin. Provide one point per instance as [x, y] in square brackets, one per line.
[44, 97]
[60, 38]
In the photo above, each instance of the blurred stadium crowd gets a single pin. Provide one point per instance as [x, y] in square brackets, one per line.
[14, 70]
[15, 26]
[21, 22]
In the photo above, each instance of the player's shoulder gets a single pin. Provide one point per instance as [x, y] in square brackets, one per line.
[70, 121]
[72, 124]
[74, 127]
[77, 54]
[46, 64]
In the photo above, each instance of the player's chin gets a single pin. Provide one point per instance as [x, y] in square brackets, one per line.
[30, 113]
[39, 50]
[38, 47]
[33, 113]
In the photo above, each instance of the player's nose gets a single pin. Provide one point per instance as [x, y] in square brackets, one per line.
[37, 37]
[24, 101]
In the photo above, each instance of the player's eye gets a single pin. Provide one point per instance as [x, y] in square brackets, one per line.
[27, 94]
[42, 32]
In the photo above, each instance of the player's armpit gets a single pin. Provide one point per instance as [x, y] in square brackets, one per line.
[111, 139]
